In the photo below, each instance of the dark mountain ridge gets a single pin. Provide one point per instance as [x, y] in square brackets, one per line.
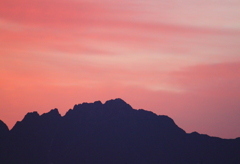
[113, 132]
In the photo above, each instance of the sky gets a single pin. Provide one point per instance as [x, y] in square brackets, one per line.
[179, 58]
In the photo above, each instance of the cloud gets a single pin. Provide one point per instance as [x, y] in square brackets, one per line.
[179, 58]
[68, 25]
[209, 76]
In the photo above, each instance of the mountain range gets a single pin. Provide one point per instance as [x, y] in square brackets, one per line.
[109, 133]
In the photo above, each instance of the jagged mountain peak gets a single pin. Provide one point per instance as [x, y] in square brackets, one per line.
[117, 105]
[113, 102]
[31, 116]
[52, 113]
[88, 105]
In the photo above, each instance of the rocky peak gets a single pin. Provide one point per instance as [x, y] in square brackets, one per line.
[52, 114]
[30, 116]
[118, 104]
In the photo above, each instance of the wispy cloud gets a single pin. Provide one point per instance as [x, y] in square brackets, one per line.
[170, 51]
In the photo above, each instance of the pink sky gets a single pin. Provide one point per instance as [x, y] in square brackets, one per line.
[179, 58]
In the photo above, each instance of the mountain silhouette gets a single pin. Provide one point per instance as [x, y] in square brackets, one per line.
[109, 133]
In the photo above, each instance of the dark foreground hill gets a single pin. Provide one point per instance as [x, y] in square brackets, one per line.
[110, 133]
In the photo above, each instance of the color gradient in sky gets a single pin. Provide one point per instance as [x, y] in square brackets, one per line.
[179, 58]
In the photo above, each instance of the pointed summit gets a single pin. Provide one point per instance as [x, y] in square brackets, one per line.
[52, 113]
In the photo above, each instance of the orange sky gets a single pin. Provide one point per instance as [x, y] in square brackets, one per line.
[176, 58]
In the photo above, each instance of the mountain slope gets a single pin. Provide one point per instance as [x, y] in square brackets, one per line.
[4, 132]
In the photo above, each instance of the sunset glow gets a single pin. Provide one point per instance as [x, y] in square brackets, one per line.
[179, 58]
